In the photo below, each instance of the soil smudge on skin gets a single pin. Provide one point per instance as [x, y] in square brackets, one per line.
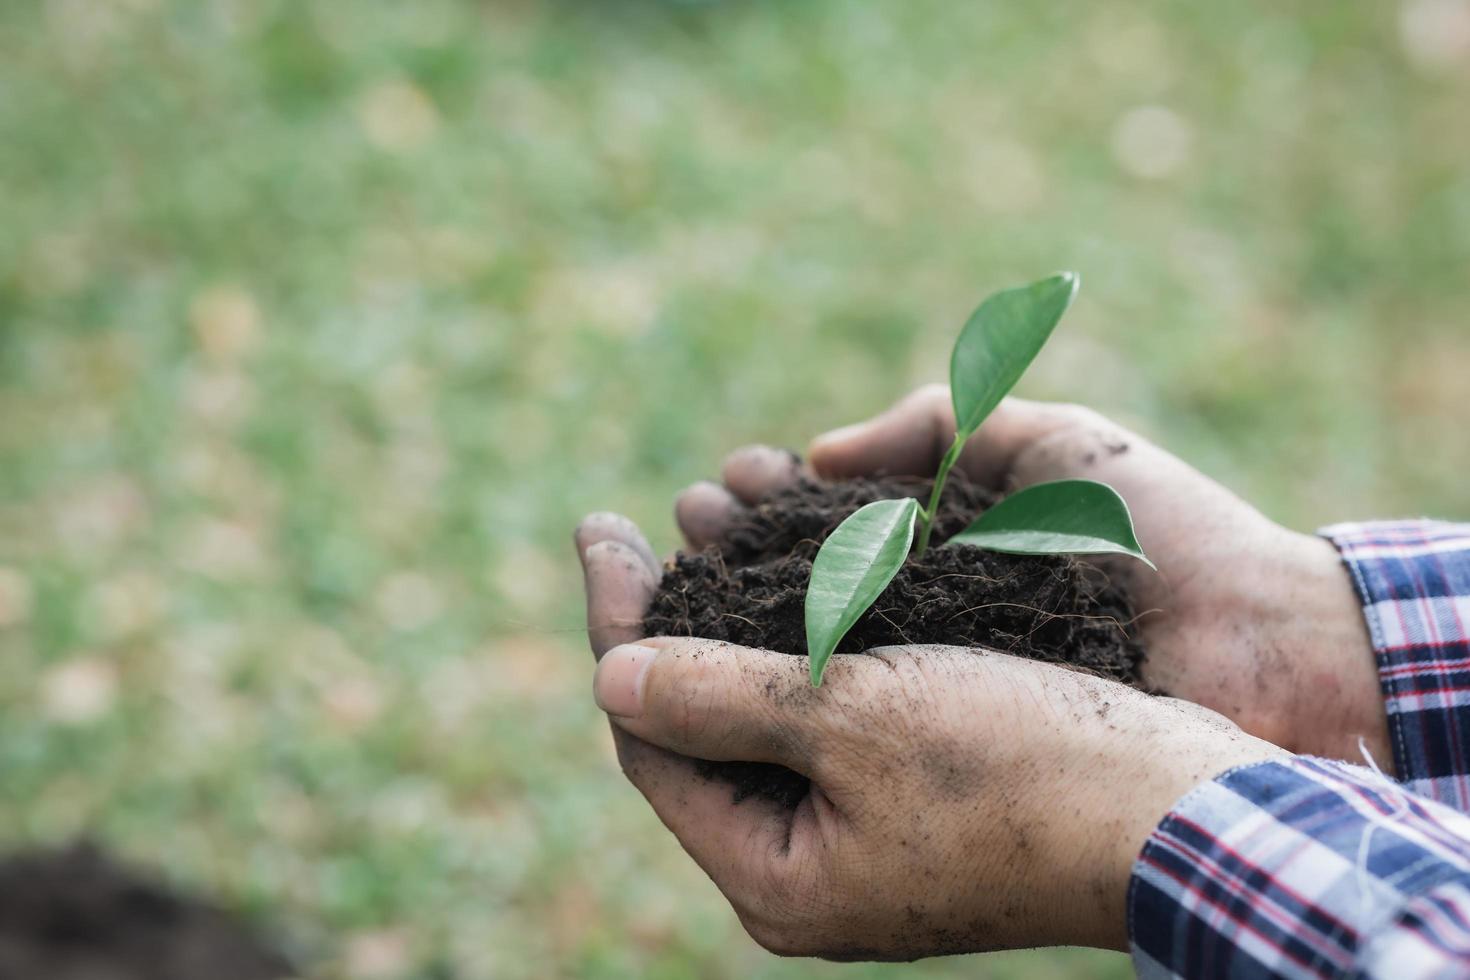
[751, 590]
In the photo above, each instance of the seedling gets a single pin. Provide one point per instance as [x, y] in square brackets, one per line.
[1082, 517]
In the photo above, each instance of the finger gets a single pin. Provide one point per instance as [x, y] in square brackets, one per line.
[753, 473]
[705, 511]
[992, 455]
[739, 845]
[1171, 503]
[911, 438]
[906, 440]
[619, 588]
[718, 701]
[1170, 499]
[607, 526]
[1092, 447]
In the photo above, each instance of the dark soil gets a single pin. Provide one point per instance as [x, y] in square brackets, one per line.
[74, 915]
[751, 590]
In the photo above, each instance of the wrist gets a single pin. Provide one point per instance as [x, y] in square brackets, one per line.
[1336, 706]
[1151, 760]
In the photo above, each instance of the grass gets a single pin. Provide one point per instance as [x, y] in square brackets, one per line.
[322, 322]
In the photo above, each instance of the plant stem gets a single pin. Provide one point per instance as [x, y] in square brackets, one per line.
[928, 514]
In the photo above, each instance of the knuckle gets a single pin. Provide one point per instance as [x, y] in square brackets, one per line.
[930, 407]
[1073, 415]
[915, 681]
[849, 693]
[933, 395]
[858, 714]
[1081, 442]
[690, 709]
[935, 402]
[905, 669]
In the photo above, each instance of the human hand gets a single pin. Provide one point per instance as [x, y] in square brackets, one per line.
[1245, 617]
[960, 800]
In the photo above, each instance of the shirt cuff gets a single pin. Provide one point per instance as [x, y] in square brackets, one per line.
[1413, 579]
[1294, 867]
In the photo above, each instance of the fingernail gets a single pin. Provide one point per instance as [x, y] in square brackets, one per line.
[618, 686]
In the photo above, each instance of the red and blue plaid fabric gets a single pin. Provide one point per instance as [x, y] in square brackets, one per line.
[1303, 868]
[1413, 578]
[1310, 868]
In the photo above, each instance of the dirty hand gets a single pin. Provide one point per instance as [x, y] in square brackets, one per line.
[1245, 617]
[960, 801]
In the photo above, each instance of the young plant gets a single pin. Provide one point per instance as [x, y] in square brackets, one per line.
[860, 558]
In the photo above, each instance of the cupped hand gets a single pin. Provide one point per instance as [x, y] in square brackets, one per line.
[960, 801]
[1245, 617]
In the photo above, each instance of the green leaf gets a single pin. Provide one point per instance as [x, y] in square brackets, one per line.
[853, 567]
[1078, 517]
[1000, 341]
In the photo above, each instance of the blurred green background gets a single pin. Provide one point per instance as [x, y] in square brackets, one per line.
[322, 322]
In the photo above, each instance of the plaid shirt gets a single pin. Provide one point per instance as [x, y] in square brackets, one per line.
[1303, 867]
[1413, 578]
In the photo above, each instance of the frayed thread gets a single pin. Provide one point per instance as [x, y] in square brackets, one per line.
[1365, 845]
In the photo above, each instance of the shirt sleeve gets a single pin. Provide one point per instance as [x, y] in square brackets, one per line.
[1303, 868]
[1413, 578]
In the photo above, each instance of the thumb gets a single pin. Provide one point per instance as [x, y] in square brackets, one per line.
[711, 700]
[911, 437]
[906, 440]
